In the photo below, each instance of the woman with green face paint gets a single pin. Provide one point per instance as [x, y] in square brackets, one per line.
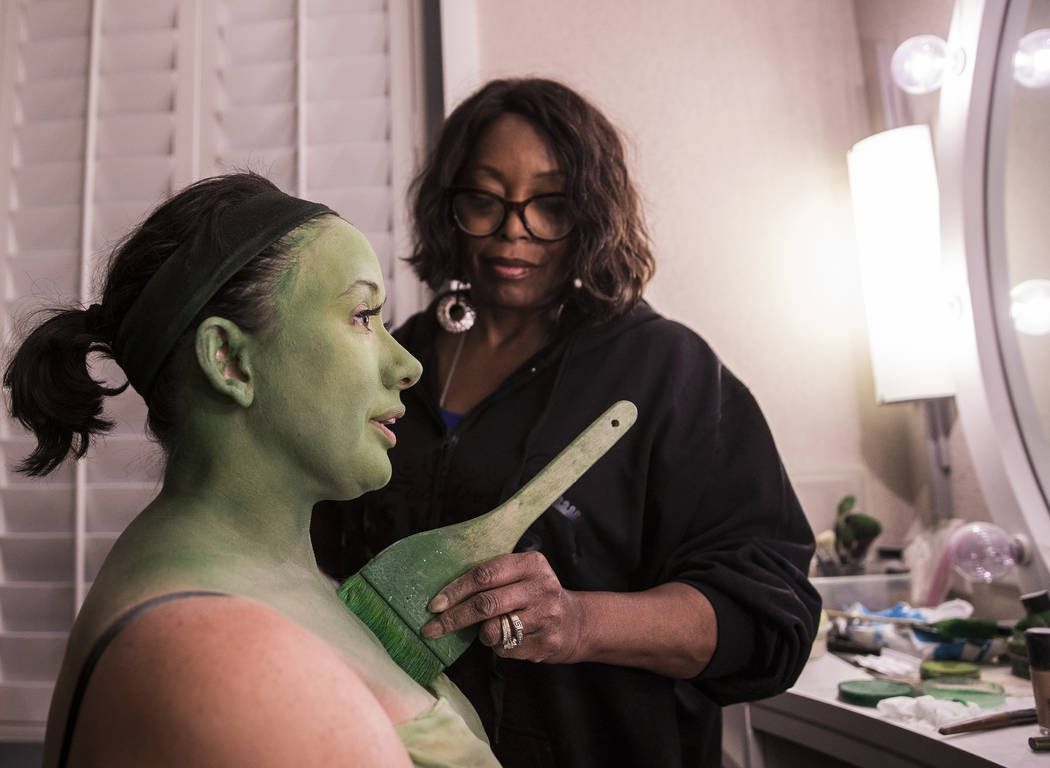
[250, 322]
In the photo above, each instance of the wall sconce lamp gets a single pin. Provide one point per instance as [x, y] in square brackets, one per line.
[893, 182]
[896, 214]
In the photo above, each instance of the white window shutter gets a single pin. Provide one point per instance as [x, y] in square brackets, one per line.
[45, 66]
[106, 106]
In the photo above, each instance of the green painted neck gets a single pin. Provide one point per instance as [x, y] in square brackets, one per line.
[219, 478]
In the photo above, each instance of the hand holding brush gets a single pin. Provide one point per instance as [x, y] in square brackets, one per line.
[391, 593]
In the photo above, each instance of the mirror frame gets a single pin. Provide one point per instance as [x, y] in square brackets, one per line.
[971, 235]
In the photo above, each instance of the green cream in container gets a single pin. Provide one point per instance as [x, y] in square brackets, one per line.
[868, 693]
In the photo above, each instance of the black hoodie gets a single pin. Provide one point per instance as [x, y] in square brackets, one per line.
[695, 492]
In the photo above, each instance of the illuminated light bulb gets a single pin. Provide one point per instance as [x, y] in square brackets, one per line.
[920, 63]
[1030, 307]
[984, 552]
[1032, 60]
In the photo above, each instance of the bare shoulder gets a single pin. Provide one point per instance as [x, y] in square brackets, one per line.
[228, 681]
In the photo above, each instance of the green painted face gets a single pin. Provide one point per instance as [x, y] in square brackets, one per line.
[328, 379]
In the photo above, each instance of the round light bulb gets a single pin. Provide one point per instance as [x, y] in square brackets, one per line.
[920, 63]
[983, 552]
[1032, 60]
[1030, 307]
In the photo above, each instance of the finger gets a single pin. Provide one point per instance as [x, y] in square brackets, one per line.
[475, 609]
[490, 633]
[496, 572]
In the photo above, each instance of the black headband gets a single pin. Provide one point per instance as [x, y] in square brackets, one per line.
[198, 268]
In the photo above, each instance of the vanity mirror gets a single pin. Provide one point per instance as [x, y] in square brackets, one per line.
[993, 154]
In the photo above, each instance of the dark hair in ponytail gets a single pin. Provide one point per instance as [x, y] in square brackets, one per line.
[52, 390]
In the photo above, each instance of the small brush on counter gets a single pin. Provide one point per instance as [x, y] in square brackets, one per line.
[990, 722]
[981, 629]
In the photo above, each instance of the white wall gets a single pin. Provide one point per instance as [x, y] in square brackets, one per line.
[738, 115]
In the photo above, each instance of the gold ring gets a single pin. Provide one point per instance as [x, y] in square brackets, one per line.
[509, 642]
[519, 629]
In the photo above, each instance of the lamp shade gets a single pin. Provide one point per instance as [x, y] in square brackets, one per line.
[893, 182]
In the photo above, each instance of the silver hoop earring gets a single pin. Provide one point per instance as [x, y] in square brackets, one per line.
[455, 313]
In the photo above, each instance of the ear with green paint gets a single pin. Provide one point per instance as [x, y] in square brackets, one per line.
[222, 353]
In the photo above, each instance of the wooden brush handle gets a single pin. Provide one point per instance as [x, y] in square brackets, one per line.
[509, 520]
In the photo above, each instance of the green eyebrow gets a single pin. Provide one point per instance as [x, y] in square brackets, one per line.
[374, 287]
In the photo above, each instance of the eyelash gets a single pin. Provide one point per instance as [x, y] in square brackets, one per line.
[365, 316]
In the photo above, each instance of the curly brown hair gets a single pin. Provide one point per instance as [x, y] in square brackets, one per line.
[609, 250]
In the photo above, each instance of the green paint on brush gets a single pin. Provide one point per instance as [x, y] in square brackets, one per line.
[401, 641]
[391, 592]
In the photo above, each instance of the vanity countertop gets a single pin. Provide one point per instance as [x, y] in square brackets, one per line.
[811, 715]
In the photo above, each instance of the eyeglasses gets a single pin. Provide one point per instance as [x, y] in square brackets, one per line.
[546, 217]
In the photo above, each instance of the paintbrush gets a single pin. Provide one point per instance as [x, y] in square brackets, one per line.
[977, 629]
[988, 722]
[391, 592]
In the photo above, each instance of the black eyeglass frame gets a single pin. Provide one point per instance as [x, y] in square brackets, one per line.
[517, 207]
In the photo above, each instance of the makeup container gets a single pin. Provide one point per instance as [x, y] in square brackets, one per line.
[1036, 602]
[1037, 639]
[1037, 614]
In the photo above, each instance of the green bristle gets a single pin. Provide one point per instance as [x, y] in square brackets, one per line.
[399, 639]
[970, 629]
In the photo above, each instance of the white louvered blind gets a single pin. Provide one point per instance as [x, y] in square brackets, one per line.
[303, 97]
[106, 106]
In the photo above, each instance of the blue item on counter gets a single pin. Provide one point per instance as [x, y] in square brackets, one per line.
[918, 642]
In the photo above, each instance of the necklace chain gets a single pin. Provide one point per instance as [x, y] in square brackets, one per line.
[451, 370]
[455, 362]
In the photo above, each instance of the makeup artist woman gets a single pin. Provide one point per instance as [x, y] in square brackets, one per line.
[671, 578]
